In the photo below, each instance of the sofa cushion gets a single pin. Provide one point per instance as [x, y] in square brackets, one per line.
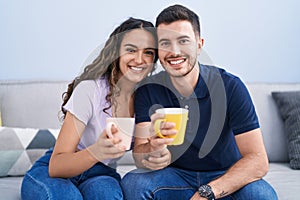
[289, 107]
[284, 180]
[21, 147]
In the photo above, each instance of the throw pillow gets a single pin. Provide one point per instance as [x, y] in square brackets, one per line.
[21, 147]
[288, 104]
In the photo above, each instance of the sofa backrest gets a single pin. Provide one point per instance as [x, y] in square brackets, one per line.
[270, 121]
[36, 104]
[31, 104]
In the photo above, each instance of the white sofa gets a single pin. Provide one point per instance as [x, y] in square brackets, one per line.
[35, 104]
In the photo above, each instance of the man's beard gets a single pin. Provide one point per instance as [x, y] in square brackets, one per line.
[183, 75]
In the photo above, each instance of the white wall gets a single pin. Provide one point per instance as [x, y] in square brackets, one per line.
[51, 39]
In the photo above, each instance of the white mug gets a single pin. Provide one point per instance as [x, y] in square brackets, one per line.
[125, 126]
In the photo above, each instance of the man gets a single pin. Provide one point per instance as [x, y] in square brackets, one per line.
[223, 155]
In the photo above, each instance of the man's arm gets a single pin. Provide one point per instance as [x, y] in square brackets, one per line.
[251, 167]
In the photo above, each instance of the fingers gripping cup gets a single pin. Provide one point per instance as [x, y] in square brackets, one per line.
[177, 115]
[125, 128]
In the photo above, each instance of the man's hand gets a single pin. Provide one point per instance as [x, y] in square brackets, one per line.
[159, 156]
[196, 196]
[151, 151]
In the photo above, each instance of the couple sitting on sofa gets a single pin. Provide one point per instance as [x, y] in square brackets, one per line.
[222, 156]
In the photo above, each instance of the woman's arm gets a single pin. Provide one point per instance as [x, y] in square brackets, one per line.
[67, 161]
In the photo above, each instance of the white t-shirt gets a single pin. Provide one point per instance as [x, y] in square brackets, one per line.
[86, 104]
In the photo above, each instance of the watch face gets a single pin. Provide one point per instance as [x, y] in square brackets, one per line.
[205, 191]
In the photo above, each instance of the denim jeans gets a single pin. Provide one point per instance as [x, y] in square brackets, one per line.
[173, 183]
[99, 182]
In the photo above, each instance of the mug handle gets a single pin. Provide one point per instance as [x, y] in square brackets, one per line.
[108, 129]
[157, 127]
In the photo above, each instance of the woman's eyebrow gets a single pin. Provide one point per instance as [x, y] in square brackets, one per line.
[150, 48]
[134, 46]
[130, 45]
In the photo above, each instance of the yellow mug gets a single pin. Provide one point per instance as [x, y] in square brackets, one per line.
[177, 115]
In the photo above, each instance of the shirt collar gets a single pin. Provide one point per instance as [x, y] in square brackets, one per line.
[200, 91]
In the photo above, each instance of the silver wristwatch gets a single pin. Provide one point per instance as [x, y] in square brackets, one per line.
[206, 191]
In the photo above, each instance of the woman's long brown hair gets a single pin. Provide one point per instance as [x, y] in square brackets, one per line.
[106, 65]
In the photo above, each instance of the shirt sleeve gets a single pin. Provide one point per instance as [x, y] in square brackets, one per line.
[142, 105]
[242, 114]
[80, 103]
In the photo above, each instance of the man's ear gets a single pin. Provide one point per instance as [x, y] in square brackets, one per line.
[200, 44]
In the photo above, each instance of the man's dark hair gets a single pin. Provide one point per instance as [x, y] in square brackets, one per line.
[178, 12]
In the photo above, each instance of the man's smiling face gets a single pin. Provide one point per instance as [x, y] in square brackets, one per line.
[178, 47]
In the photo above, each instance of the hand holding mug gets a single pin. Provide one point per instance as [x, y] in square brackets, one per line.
[158, 156]
[125, 131]
[107, 148]
[160, 128]
[177, 116]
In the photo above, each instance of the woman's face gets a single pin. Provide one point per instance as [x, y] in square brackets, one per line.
[137, 51]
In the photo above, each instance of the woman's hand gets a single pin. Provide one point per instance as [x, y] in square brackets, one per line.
[107, 148]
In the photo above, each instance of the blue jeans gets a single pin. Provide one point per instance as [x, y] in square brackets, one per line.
[99, 182]
[173, 183]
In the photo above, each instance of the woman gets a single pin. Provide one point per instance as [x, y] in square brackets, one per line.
[82, 163]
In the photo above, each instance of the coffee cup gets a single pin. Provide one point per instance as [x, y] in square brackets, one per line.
[179, 116]
[125, 128]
